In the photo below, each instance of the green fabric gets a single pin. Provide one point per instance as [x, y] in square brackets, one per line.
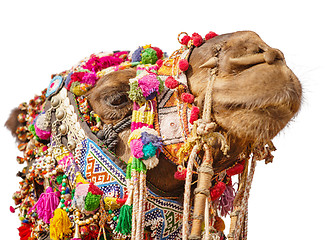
[124, 222]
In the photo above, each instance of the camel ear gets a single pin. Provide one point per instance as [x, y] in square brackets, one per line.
[12, 122]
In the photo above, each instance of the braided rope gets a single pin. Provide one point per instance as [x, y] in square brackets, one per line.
[242, 221]
[187, 192]
[109, 133]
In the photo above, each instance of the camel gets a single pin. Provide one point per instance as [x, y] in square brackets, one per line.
[253, 95]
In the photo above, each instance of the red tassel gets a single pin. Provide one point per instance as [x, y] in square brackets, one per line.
[217, 191]
[25, 231]
[237, 169]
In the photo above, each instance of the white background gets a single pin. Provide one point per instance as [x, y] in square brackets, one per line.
[38, 38]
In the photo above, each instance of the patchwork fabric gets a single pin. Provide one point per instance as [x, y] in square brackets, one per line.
[162, 216]
[171, 121]
[98, 168]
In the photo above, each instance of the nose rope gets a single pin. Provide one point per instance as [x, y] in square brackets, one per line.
[202, 129]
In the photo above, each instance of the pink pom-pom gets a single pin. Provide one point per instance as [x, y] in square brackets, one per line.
[197, 39]
[159, 62]
[237, 169]
[136, 147]
[183, 65]
[180, 175]
[185, 40]
[194, 114]
[210, 35]
[217, 191]
[187, 98]
[171, 82]
[42, 134]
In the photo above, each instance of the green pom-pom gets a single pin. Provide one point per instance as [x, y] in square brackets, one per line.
[149, 56]
[124, 222]
[135, 93]
[92, 201]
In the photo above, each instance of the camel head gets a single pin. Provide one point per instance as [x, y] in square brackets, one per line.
[255, 94]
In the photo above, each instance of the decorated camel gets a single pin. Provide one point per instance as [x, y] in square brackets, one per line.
[139, 145]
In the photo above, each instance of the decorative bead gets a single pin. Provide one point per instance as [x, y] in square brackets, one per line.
[55, 102]
[110, 211]
[63, 129]
[60, 114]
[71, 145]
[115, 218]
[62, 200]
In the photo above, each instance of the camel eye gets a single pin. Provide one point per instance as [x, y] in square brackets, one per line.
[117, 100]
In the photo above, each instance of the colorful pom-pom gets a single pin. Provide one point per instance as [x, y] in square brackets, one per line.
[171, 82]
[187, 98]
[194, 114]
[217, 191]
[183, 65]
[180, 175]
[149, 56]
[197, 39]
[136, 147]
[210, 35]
[137, 55]
[158, 51]
[149, 151]
[185, 40]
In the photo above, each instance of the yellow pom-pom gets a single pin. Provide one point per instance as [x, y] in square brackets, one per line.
[80, 179]
[59, 225]
[136, 134]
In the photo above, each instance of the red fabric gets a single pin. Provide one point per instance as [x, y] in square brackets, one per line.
[237, 169]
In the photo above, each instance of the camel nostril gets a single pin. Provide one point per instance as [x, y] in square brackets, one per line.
[273, 54]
